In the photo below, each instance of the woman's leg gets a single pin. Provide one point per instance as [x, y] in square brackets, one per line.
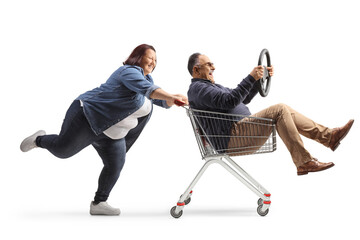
[134, 133]
[112, 153]
[75, 134]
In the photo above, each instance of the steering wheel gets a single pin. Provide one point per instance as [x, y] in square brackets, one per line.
[264, 83]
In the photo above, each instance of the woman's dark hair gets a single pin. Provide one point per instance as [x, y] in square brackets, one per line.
[137, 54]
[193, 60]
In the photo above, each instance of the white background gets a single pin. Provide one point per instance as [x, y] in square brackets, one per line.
[52, 51]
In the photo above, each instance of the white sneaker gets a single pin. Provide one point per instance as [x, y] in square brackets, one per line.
[103, 208]
[29, 142]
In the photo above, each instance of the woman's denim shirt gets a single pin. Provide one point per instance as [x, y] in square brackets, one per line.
[120, 96]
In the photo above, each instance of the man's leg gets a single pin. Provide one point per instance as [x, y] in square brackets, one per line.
[311, 129]
[328, 137]
[288, 132]
[248, 136]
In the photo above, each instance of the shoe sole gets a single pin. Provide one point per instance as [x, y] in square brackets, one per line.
[306, 172]
[104, 214]
[342, 137]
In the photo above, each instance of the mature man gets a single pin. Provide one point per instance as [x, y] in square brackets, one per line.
[205, 94]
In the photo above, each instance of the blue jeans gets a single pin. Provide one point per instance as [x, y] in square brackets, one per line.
[76, 134]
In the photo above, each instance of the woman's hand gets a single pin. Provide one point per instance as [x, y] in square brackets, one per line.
[169, 98]
[171, 101]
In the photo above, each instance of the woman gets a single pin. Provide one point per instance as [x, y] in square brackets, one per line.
[110, 118]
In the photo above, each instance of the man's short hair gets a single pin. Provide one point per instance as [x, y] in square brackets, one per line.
[193, 60]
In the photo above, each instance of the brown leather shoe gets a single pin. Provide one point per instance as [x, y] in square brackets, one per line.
[338, 134]
[313, 166]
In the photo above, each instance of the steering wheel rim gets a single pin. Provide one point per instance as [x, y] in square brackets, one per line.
[265, 82]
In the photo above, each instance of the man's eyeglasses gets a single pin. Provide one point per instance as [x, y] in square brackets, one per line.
[209, 64]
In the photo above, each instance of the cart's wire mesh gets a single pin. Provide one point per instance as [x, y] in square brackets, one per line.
[222, 133]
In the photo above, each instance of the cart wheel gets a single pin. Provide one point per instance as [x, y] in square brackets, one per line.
[172, 212]
[264, 83]
[261, 213]
[260, 201]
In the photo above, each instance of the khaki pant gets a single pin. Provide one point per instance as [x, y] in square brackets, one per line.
[289, 125]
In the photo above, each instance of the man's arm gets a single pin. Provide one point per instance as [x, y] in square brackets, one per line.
[253, 92]
[257, 73]
[216, 97]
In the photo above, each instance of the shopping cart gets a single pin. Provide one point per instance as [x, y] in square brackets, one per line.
[221, 135]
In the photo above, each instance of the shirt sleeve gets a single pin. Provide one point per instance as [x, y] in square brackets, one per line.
[253, 92]
[134, 80]
[160, 103]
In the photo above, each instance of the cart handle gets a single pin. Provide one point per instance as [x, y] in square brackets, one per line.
[179, 103]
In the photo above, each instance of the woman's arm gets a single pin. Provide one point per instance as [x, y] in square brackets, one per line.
[169, 98]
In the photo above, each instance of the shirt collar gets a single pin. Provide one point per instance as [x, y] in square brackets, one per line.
[200, 79]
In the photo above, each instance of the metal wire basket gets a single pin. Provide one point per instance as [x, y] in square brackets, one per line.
[221, 135]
